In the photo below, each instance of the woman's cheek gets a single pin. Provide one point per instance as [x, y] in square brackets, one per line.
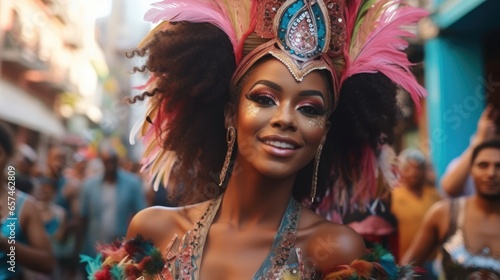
[250, 110]
[314, 129]
[316, 123]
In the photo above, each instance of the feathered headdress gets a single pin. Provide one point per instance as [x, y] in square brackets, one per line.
[375, 41]
[345, 37]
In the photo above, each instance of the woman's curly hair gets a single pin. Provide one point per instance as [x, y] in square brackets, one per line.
[193, 64]
[365, 117]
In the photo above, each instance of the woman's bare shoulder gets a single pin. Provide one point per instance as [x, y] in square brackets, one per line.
[160, 223]
[330, 244]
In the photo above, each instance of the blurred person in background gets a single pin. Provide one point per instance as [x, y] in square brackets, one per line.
[32, 247]
[55, 165]
[25, 162]
[74, 176]
[108, 201]
[53, 218]
[466, 229]
[430, 174]
[56, 162]
[412, 198]
[131, 166]
[456, 181]
[68, 184]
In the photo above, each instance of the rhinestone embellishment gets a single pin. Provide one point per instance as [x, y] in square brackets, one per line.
[302, 37]
[302, 29]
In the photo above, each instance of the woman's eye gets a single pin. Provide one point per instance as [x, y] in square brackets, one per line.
[312, 110]
[262, 99]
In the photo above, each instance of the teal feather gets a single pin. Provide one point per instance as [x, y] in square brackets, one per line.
[387, 261]
[155, 264]
[93, 265]
[117, 272]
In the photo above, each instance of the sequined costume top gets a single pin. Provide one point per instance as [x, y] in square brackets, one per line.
[184, 256]
[136, 258]
[458, 262]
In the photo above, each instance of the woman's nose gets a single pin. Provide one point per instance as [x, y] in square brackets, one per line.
[284, 118]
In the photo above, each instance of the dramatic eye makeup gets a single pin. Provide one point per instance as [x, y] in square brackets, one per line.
[309, 103]
[262, 98]
[312, 109]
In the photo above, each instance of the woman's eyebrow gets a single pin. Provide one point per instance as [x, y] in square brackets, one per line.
[270, 84]
[312, 93]
[278, 88]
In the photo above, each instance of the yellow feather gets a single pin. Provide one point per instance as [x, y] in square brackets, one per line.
[287, 275]
[239, 14]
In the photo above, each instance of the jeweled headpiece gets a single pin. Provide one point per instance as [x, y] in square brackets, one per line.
[299, 33]
[344, 37]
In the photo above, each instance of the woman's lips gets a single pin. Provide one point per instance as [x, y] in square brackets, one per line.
[279, 146]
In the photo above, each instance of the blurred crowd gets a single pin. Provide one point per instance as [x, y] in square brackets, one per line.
[79, 201]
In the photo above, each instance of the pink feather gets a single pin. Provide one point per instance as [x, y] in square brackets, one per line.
[150, 81]
[235, 18]
[379, 46]
[367, 185]
[199, 11]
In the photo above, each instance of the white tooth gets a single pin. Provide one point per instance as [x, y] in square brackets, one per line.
[282, 145]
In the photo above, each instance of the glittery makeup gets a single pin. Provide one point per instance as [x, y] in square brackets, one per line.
[251, 109]
[316, 122]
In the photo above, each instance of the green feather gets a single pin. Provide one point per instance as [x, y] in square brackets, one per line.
[363, 9]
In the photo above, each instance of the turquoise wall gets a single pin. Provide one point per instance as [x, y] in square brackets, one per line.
[454, 74]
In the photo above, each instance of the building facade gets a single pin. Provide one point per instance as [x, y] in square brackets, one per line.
[51, 69]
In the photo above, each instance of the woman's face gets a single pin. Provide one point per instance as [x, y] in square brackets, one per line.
[280, 122]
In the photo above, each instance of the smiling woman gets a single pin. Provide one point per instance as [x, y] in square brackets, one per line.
[280, 122]
[306, 109]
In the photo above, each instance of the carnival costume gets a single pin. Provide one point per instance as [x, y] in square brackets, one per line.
[136, 258]
[346, 38]
[458, 262]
